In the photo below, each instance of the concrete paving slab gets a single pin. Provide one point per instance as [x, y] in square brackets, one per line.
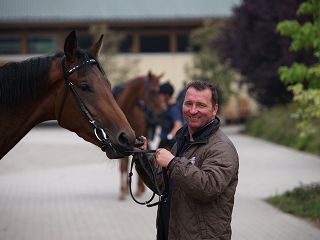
[55, 186]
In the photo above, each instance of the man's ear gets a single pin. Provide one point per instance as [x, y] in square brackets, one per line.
[215, 108]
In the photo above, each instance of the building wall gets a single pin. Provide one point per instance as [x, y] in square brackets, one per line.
[238, 107]
[171, 65]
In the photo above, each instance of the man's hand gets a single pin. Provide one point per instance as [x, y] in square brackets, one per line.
[163, 157]
[144, 146]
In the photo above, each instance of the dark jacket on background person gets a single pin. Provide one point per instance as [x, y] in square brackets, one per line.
[204, 176]
[166, 121]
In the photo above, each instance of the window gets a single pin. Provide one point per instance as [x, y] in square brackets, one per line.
[10, 45]
[154, 43]
[125, 45]
[42, 44]
[182, 43]
[84, 41]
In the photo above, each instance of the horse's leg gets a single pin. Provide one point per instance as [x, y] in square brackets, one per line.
[140, 187]
[123, 178]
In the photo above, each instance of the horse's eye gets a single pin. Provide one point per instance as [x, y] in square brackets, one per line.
[84, 87]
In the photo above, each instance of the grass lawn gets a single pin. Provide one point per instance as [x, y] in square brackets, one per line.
[303, 201]
[277, 125]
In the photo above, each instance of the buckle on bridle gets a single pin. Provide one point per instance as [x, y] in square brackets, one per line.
[100, 134]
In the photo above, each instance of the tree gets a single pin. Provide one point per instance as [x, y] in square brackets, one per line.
[206, 62]
[250, 42]
[303, 80]
[116, 73]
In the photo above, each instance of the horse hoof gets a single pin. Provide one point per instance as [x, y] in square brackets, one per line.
[123, 193]
[122, 196]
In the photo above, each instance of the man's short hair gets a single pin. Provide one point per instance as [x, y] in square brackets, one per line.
[166, 88]
[202, 85]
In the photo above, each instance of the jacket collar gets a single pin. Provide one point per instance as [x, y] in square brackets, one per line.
[202, 134]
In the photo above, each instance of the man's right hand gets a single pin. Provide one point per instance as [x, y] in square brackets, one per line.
[144, 146]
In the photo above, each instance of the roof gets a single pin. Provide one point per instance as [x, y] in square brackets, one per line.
[112, 10]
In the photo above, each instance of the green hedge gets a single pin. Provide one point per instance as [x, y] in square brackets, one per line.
[277, 125]
[303, 201]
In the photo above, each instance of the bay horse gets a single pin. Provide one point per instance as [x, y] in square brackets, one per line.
[138, 99]
[70, 87]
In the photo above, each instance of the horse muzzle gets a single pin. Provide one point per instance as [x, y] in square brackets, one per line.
[113, 150]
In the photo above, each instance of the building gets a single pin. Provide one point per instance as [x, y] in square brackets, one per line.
[155, 32]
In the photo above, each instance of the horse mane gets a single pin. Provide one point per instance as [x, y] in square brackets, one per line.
[23, 80]
[20, 81]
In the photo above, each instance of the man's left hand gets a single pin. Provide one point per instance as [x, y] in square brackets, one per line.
[163, 157]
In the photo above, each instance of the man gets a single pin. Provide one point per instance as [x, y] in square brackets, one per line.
[203, 171]
[170, 119]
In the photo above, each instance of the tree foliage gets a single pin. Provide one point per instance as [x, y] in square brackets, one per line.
[206, 62]
[253, 46]
[117, 73]
[303, 80]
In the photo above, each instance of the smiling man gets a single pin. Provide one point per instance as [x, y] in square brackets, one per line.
[202, 168]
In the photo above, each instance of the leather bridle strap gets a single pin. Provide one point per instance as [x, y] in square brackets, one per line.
[162, 196]
[97, 130]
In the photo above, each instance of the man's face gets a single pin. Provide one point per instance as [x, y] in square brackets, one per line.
[197, 108]
[163, 99]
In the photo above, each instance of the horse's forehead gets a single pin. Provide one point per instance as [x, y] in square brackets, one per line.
[153, 80]
[87, 66]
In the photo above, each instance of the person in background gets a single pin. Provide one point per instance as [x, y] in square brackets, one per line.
[202, 168]
[170, 119]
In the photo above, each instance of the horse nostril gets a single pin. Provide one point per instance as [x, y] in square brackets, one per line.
[124, 139]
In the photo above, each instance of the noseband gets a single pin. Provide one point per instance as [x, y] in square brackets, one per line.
[107, 145]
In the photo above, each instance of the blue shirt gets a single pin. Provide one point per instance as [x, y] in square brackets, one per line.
[167, 119]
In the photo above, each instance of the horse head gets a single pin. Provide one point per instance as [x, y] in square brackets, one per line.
[86, 105]
[152, 83]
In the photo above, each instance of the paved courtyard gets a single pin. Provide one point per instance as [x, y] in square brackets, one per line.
[55, 186]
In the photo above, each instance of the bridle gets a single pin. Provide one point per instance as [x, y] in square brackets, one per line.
[107, 145]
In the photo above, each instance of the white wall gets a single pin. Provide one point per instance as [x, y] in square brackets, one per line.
[172, 65]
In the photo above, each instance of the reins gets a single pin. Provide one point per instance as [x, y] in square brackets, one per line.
[148, 170]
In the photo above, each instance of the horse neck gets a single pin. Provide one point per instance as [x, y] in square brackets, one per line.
[133, 92]
[17, 122]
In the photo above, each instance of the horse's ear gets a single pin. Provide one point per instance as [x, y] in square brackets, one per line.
[149, 74]
[161, 75]
[96, 48]
[70, 46]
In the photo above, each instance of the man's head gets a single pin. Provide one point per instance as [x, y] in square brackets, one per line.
[200, 104]
[165, 93]
[166, 89]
